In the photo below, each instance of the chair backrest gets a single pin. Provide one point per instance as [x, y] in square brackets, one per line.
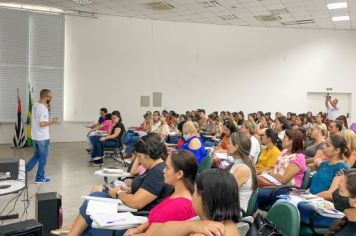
[285, 217]
[252, 203]
[123, 137]
[207, 162]
[306, 179]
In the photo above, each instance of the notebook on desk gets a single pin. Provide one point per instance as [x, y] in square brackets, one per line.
[99, 205]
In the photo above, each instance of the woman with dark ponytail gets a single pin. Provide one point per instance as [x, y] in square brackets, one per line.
[322, 182]
[345, 200]
[239, 147]
[325, 181]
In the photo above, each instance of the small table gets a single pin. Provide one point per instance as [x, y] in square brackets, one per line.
[15, 186]
[115, 175]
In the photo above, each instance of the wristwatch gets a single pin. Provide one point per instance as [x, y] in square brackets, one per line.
[117, 194]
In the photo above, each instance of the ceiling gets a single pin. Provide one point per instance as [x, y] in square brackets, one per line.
[285, 13]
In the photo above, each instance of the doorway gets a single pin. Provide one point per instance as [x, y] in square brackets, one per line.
[316, 103]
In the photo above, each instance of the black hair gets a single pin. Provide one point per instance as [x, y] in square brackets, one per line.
[117, 113]
[157, 112]
[44, 93]
[284, 122]
[351, 188]
[103, 109]
[322, 115]
[186, 161]
[151, 145]
[220, 195]
[230, 125]
[261, 113]
[274, 138]
[108, 116]
[340, 143]
[338, 124]
[201, 110]
[343, 119]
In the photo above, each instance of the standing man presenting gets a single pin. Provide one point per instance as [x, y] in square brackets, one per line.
[40, 135]
[333, 108]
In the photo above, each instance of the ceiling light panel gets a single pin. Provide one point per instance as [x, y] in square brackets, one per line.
[337, 5]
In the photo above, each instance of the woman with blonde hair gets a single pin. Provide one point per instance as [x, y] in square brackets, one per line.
[193, 141]
[350, 138]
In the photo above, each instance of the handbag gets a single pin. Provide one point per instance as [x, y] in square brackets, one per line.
[262, 227]
[265, 183]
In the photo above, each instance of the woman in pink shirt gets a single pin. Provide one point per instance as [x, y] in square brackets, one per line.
[180, 171]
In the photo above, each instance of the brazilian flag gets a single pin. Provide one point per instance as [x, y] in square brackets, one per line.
[29, 120]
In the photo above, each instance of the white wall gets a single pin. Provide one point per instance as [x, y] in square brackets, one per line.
[112, 61]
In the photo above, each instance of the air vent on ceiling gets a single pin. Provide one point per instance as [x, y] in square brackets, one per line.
[279, 11]
[298, 22]
[210, 3]
[160, 5]
[268, 18]
[229, 17]
[84, 2]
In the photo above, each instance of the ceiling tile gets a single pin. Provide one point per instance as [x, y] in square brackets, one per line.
[194, 11]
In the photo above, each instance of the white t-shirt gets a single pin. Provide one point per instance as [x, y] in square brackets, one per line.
[39, 114]
[333, 112]
[155, 127]
[255, 149]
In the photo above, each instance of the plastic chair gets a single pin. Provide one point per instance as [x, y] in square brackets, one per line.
[116, 152]
[285, 189]
[285, 217]
[206, 163]
[252, 204]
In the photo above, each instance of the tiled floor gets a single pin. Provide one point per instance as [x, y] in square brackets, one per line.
[70, 173]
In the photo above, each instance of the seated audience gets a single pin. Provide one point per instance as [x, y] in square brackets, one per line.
[146, 191]
[320, 120]
[104, 126]
[146, 125]
[202, 120]
[345, 200]
[245, 175]
[289, 168]
[322, 182]
[163, 131]
[112, 140]
[350, 138]
[216, 202]
[270, 153]
[228, 129]
[193, 142]
[335, 127]
[314, 153]
[248, 128]
[103, 111]
[213, 125]
[343, 120]
[156, 122]
[281, 124]
[180, 172]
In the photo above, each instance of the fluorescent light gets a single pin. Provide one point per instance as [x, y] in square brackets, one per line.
[337, 5]
[31, 7]
[340, 18]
